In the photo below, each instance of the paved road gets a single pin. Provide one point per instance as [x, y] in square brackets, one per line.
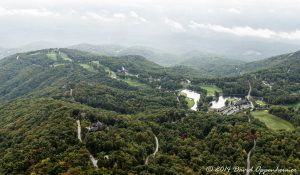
[248, 157]
[94, 161]
[249, 99]
[155, 151]
[71, 92]
[78, 130]
[249, 94]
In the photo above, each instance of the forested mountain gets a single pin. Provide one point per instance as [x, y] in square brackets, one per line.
[284, 61]
[25, 48]
[55, 71]
[154, 55]
[209, 64]
[65, 111]
[275, 79]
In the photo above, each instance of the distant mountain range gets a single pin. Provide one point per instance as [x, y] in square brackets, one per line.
[50, 99]
[28, 47]
[155, 55]
[205, 63]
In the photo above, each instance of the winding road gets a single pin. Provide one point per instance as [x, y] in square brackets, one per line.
[249, 95]
[254, 141]
[71, 92]
[155, 151]
[94, 161]
[78, 130]
[249, 99]
[248, 157]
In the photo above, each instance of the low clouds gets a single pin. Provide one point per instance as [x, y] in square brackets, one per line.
[119, 15]
[234, 10]
[106, 16]
[27, 12]
[247, 31]
[148, 20]
[133, 14]
[98, 17]
[175, 26]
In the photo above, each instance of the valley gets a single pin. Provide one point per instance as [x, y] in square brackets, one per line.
[149, 87]
[96, 114]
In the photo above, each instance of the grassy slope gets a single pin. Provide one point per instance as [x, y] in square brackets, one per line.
[272, 122]
[52, 55]
[65, 57]
[211, 89]
[87, 67]
[260, 102]
[133, 82]
[190, 102]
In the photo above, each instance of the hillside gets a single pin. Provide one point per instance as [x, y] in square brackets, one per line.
[154, 55]
[64, 111]
[283, 61]
[206, 64]
[4, 52]
[209, 64]
[54, 73]
[276, 79]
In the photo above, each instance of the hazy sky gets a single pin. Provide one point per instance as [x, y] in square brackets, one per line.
[148, 22]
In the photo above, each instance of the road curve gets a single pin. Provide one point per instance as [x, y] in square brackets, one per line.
[94, 161]
[155, 151]
[248, 157]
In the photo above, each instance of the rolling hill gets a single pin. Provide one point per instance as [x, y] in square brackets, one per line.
[209, 64]
[65, 111]
[154, 55]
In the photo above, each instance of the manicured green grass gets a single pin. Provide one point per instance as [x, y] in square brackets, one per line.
[271, 121]
[52, 55]
[87, 67]
[190, 102]
[65, 57]
[111, 73]
[211, 89]
[260, 102]
[233, 100]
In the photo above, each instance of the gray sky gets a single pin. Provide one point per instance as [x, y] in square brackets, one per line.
[148, 22]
